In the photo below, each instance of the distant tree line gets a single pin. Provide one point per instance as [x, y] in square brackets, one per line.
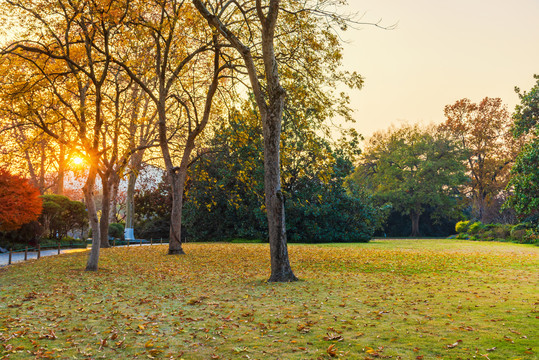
[224, 193]
[480, 164]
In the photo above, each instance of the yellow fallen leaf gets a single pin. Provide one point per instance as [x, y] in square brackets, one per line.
[332, 350]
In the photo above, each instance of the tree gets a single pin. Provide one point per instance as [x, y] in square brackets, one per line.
[67, 48]
[154, 206]
[19, 201]
[263, 39]
[69, 54]
[225, 193]
[26, 148]
[188, 64]
[412, 168]
[271, 111]
[61, 215]
[524, 182]
[483, 131]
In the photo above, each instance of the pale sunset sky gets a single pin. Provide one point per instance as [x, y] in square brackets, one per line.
[440, 52]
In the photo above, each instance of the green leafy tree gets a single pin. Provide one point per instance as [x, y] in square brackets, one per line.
[525, 173]
[61, 215]
[321, 211]
[226, 192]
[116, 230]
[225, 195]
[256, 29]
[152, 218]
[412, 169]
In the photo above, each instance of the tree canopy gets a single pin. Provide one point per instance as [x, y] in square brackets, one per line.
[411, 168]
[225, 196]
[524, 181]
[483, 131]
[19, 201]
[61, 215]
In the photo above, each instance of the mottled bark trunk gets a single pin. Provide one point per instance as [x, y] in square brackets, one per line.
[177, 186]
[105, 213]
[271, 113]
[61, 170]
[93, 259]
[130, 207]
[42, 168]
[175, 242]
[114, 198]
[281, 270]
[414, 216]
[272, 121]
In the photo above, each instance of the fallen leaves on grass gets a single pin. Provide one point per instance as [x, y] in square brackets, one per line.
[454, 345]
[333, 337]
[332, 350]
[214, 303]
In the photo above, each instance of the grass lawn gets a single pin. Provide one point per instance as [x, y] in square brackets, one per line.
[388, 299]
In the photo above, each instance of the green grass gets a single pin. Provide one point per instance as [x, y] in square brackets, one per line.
[398, 299]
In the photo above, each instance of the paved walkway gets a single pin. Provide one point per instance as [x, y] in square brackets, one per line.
[19, 256]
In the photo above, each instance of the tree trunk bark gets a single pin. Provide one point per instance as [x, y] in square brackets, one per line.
[271, 123]
[61, 170]
[414, 216]
[105, 212]
[42, 168]
[176, 183]
[175, 237]
[93, 259]
[130, 207]
[281, 270]
[114, 198]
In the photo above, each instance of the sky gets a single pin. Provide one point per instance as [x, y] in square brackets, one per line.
[441, 51]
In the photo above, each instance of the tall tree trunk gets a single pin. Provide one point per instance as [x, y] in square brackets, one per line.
[130, 206]
[42, 168]
[271, 122]
[176, 184]
[115, 184]
[105, 212]
[414, 216]
[175, 237]
[61, 170]
[271, 113]
[281, 270]
[93, 259]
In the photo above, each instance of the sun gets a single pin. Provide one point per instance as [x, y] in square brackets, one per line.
[77, 160]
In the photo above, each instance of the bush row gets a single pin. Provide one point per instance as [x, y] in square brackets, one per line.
[523, 233]
[44, 243]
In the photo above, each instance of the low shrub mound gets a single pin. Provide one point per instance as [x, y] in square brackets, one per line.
[523, 233]
[462, 226]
